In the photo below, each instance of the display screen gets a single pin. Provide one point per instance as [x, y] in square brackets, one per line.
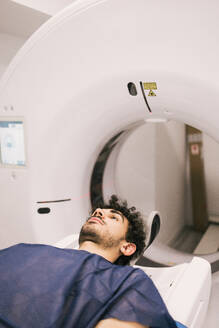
[12, 143]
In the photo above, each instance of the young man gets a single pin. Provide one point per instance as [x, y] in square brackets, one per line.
[43, 286]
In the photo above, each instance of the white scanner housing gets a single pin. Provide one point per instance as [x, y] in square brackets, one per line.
[68, 85]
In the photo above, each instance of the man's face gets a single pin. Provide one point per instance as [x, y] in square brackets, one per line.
[106, 227]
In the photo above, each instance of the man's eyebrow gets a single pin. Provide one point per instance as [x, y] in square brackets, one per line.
[119, 213]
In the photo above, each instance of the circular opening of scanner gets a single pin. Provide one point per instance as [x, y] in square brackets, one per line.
[170, 167]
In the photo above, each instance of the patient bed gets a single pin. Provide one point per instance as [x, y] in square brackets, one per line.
[185, 288]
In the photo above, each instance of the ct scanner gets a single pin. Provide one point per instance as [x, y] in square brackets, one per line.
[79, 86]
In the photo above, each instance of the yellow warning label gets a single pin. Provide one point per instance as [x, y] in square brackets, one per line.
[150, 85]
[151, 93]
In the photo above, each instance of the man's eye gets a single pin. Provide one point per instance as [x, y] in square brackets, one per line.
[113, 217]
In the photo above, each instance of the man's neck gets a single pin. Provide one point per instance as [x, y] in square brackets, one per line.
[109, 254]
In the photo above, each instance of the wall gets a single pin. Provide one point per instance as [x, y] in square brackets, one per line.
[150, 173]
[50, 7]
[211, 165]
[170, 178]
[9, 45]
[211, 169]
[135, 172]
[19, 20]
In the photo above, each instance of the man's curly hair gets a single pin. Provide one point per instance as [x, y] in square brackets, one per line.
[136, 229]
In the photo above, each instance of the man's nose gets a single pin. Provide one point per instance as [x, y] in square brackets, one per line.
[99, 212]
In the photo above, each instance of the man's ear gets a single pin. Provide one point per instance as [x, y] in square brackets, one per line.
[128, 249]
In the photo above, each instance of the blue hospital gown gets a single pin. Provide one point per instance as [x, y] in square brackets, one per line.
[46, 287]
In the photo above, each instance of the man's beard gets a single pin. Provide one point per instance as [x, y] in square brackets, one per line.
[90, 233]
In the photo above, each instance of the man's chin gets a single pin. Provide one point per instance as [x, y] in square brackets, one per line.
[89, 233]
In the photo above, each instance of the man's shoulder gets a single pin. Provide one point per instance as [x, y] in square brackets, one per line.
[131, 272]
[26, 250]
[133, 269]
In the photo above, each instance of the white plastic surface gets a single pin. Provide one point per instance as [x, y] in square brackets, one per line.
[185, 289]
[70, 241]
[69, 82]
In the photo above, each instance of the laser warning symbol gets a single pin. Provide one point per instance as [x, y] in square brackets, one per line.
[151, 93]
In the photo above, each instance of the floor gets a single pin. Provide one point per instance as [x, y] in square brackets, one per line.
[187, 240]
[197, 243]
